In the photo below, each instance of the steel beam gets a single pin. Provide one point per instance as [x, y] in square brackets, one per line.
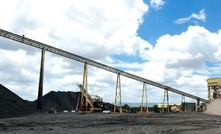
[144, 102]
[84, 85]
[41, 79]
[118, 95]
[183, 103]
[72, 56]
[166, 98]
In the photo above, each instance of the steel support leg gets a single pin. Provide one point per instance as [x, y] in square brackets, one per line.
[197, 105]
[144, 102]
[118, 95]
[209, 97]
[166, 99]
[84, 102]
[183, 103]
[41, 79]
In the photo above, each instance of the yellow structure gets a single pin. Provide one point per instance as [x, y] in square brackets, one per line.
[169, 107]
[214, 88]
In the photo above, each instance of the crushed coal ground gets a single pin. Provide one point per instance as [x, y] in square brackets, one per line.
[11, 105]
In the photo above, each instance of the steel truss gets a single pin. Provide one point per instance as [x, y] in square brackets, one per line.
[33, 43]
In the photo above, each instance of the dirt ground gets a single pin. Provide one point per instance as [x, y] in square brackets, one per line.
[95, 123]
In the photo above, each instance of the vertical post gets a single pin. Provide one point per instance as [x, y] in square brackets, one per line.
[144, 97]
[183, 103]
[84, 102]
[209, 97]
[166, 98]
[41, 78]
[197, 105]
[118, 95]
[168, 106]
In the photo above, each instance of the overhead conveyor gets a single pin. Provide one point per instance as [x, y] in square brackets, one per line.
[33, 43]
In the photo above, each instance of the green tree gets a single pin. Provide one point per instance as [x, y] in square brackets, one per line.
[126, 106]
[155, 108]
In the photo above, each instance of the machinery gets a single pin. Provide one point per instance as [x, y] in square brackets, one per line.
[95, 102]
[175, 108]
[52, 110]
[214, 88]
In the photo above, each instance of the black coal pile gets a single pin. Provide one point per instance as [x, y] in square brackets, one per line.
[60, 101]
[12, 105]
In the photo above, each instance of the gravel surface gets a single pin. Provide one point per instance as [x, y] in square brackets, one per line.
[94, 123]
[24, 119]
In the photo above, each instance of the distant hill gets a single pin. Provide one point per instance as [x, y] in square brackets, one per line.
[59, 100]
[12, 105]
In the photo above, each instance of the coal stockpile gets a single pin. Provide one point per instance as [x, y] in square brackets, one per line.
[60, 101]
[12, 105]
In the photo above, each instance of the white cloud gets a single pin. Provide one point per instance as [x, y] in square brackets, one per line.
[201, 16]
[94, 29]
[180, 60]
[157, 4]
[108, 26]
[98, 30]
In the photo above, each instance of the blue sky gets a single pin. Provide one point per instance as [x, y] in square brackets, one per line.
[159, 22]
[173, 42]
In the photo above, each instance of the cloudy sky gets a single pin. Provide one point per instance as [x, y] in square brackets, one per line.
[176, 43]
